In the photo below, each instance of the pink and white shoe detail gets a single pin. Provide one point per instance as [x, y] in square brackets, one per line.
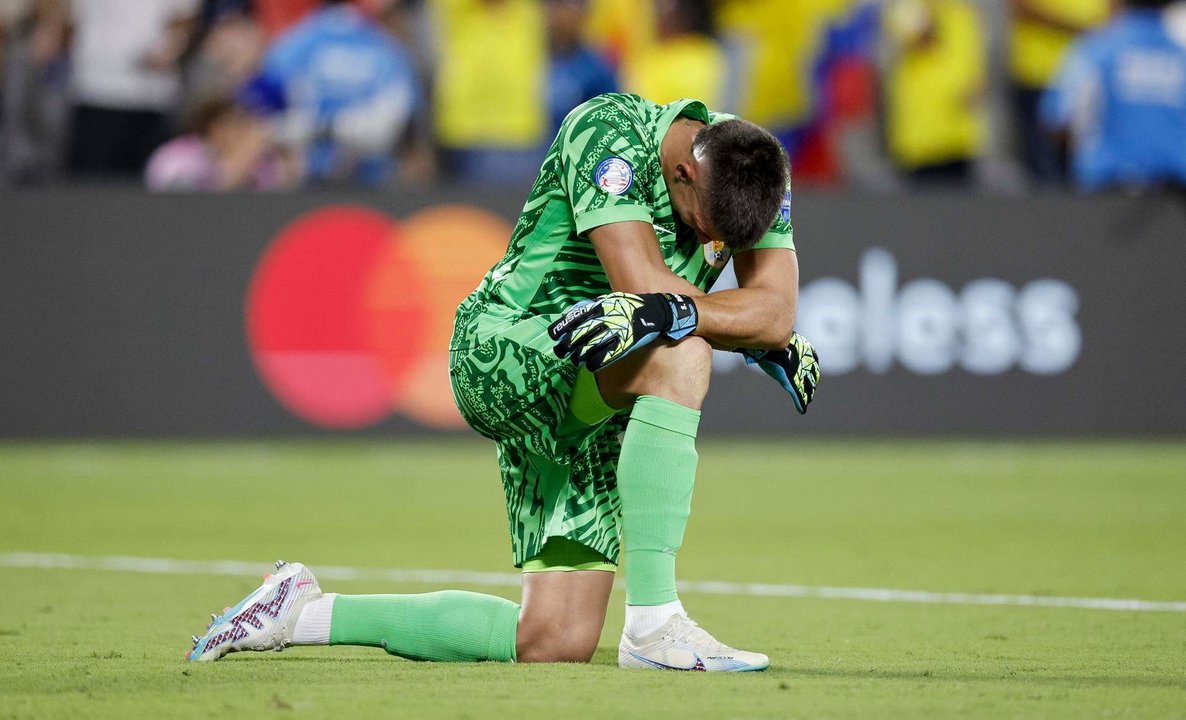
[264, 620]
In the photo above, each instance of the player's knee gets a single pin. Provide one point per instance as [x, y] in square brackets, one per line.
[675, 371]
[692, 353]
[555, 643]
[558, 653]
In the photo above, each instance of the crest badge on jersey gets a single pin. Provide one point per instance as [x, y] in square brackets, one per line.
[614, 175]
[716, 254]
[784, 210]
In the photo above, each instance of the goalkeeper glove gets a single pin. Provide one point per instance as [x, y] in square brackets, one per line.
[796, 368]
[604, 330]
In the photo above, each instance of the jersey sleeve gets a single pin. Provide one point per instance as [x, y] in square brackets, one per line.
[603, 170]
[781, 233]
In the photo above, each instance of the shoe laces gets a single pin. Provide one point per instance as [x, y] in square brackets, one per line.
[686, 630]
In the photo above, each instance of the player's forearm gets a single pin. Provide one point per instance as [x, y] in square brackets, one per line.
[755, 318]
[641, 278]
[759, 315]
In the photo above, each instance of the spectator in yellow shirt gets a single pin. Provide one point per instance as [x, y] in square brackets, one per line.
[776, 48]
[1040, 33]
[619, 29]
[490, 95]
[685, 59]
[935, 122]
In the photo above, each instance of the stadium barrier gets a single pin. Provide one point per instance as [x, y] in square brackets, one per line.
[123, 314]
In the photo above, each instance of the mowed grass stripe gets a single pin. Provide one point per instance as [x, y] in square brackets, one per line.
[169, 566]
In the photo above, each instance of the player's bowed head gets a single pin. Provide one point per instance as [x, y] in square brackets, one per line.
[731, 184]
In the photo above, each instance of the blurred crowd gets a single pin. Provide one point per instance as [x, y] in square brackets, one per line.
[870, 94]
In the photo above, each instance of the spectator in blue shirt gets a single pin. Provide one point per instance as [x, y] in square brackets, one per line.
[575, 72]
[343, 89]
[1121, 96]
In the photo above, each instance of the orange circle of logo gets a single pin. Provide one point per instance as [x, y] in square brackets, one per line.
[349, 314]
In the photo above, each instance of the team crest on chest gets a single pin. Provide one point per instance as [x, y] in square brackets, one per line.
[716, 253]
[614, 175]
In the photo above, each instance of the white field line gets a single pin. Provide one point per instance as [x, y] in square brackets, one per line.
[166, 566]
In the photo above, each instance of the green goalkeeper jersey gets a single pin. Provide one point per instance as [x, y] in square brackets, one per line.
[603, 167]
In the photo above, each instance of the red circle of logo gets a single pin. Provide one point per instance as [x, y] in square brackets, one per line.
[348, 314]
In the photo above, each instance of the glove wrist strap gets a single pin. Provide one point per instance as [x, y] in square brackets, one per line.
[684, 316]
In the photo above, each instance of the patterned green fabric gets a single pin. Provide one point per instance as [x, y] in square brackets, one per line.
[550, 263]
[576, 499]
[603, 167]
[513, 389]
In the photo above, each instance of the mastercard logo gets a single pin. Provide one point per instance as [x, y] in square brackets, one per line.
[349, 312]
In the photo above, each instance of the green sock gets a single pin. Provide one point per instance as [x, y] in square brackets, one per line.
[656, 473]
[448, 626]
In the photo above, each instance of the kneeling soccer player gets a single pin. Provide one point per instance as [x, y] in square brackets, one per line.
[585, 354]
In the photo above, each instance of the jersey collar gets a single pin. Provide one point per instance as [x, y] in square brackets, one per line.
[680, 108]
[686, 108]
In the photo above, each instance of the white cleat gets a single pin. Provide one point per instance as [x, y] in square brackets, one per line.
[264, 620]
[681, 644]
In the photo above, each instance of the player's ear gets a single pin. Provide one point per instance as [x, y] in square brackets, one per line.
[683, 173]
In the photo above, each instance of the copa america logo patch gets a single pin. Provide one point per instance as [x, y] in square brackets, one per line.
[614, 175]
[784, 211]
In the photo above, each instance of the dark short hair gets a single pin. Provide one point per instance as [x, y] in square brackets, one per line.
[747, 174]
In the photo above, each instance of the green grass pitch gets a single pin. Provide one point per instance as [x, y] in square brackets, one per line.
[1047, 519]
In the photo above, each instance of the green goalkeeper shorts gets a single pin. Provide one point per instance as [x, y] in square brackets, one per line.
[558, 442]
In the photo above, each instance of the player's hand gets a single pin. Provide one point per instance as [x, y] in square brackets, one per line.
[796, 368]
[601, 331]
